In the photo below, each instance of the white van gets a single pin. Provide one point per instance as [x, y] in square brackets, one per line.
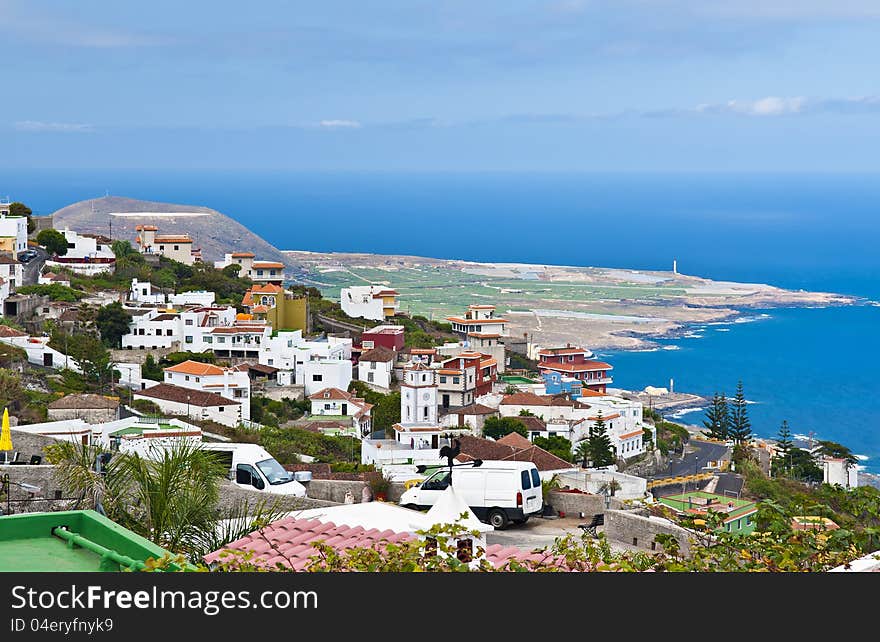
[252, 467]
[498, 492]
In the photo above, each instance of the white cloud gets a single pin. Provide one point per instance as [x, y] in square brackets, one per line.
[769, 106]
[40, 126]
[340, 124]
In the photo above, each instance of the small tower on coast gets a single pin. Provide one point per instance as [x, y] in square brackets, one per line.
[674, 266]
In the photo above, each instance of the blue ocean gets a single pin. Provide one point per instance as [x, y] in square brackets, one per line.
[816, 368]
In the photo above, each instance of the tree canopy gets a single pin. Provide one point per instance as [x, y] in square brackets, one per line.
[497, 427]
[54, 242]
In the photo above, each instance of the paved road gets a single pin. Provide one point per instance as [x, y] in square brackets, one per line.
[694, 462]
[33, 268]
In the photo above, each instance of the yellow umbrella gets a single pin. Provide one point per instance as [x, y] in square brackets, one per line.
[5, 433]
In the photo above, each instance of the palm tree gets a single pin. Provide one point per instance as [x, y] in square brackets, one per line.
[583, 452]
[171, 499]
[610, 487]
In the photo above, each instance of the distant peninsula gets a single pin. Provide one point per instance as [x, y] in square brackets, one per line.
[603, 308]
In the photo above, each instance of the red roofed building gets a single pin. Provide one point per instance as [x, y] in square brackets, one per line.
[206, 377]
[479, 324]
[575, 362]
[463, 378]
[339, 404]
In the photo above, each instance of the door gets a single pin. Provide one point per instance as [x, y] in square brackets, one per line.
[446, 401]
[531, 490]
[345, 409]
[431, 488]
[47, 359]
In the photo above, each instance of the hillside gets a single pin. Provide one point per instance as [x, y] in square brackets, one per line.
[213, 232]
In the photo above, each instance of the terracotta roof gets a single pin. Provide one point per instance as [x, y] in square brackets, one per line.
[525, 399]
[239, 329]
[378, 354]
[290, 542]
[196, 368]
[604, 417]
[171, 238]
[169, 392]
[164, 317]
[6, 332]
[532, 423]
[256, 367]
[586, 392]
[484, 335]
[515, 440]
[268, 264]
[84, 402]
[488, 362]
[561, 351]
[145, 228]
[577, 367]
[477, 448]
[243, 255]
[448, 371]
[334, 393]
[473, 409]
[422, 351]
[381, 293]
[5, 259]
[634, 433]
[475, 306]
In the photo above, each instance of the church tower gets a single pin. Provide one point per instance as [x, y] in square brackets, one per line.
[418, 396]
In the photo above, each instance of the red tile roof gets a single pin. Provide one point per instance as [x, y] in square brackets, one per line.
[634, 433]
[268, 264]
[515, 440]
[196, 368]
[379, 354]
[334, 393]
[474, 409]
[6, 332]
[562, 351]
[478, 448]
[243, 255]
[179, 394]
[576, 367]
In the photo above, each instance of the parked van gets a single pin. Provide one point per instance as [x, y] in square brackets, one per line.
[252, 467]
[499, 492]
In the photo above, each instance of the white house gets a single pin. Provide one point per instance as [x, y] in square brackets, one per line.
[13, 231]
[38, 351]
[142, 292]
[194, 404]
[336, 403]
[191, 328]
[226, 382]
[836, 470]
[318, 374]
[373, 302]
[178, 247]
[375, 367]
[12, 272]
[87, 254]
[4, 293]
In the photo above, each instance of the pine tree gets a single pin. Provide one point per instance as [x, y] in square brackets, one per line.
[784, 447]
[599, 444]
[740, 426]
[717, 419]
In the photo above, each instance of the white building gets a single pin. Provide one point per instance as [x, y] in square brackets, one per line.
[375, 367]
[194, 404]
[226, 382]
[338, 404]
[178, 247]
[13, 231]
[38, 351]
[622, 417]
[373, 302]
[318, 374]
[418, 437]
[479, 323]
[50, 278]
[12, 272]
[256, 271]
[142, 292]
[839, 471]
[87, 254]
[191, 328]
[4, 293]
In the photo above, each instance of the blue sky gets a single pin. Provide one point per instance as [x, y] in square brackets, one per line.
[654, 85]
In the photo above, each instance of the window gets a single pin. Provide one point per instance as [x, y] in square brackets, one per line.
[425, 413]
[271, 361]
[635, 541]
[259, 273]
[221, 339]
[161, 248]
[372, 365]
[208, 339]
[317, 377]
[368, 345]
[571, 357]
[526, 479]
[370, 377]
[189, 322]
[187, 377]
[327, 406]
[442, 379]
[464, 550]
[176, 247]
[456, 380]
[188, 339]
[536, 478]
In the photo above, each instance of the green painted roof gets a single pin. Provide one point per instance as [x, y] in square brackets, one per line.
[31, 542]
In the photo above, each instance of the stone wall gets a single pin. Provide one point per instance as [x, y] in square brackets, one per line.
[637, 528]
[572, 504]
[91, 415]
[334, 490]
[40, 476]
[230, 495]
[277, 393]
[27, 444]
[139, 356]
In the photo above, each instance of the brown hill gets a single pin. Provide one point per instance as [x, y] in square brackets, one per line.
[213, 232]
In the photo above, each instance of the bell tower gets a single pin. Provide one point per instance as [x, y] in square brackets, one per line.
[418, 395]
